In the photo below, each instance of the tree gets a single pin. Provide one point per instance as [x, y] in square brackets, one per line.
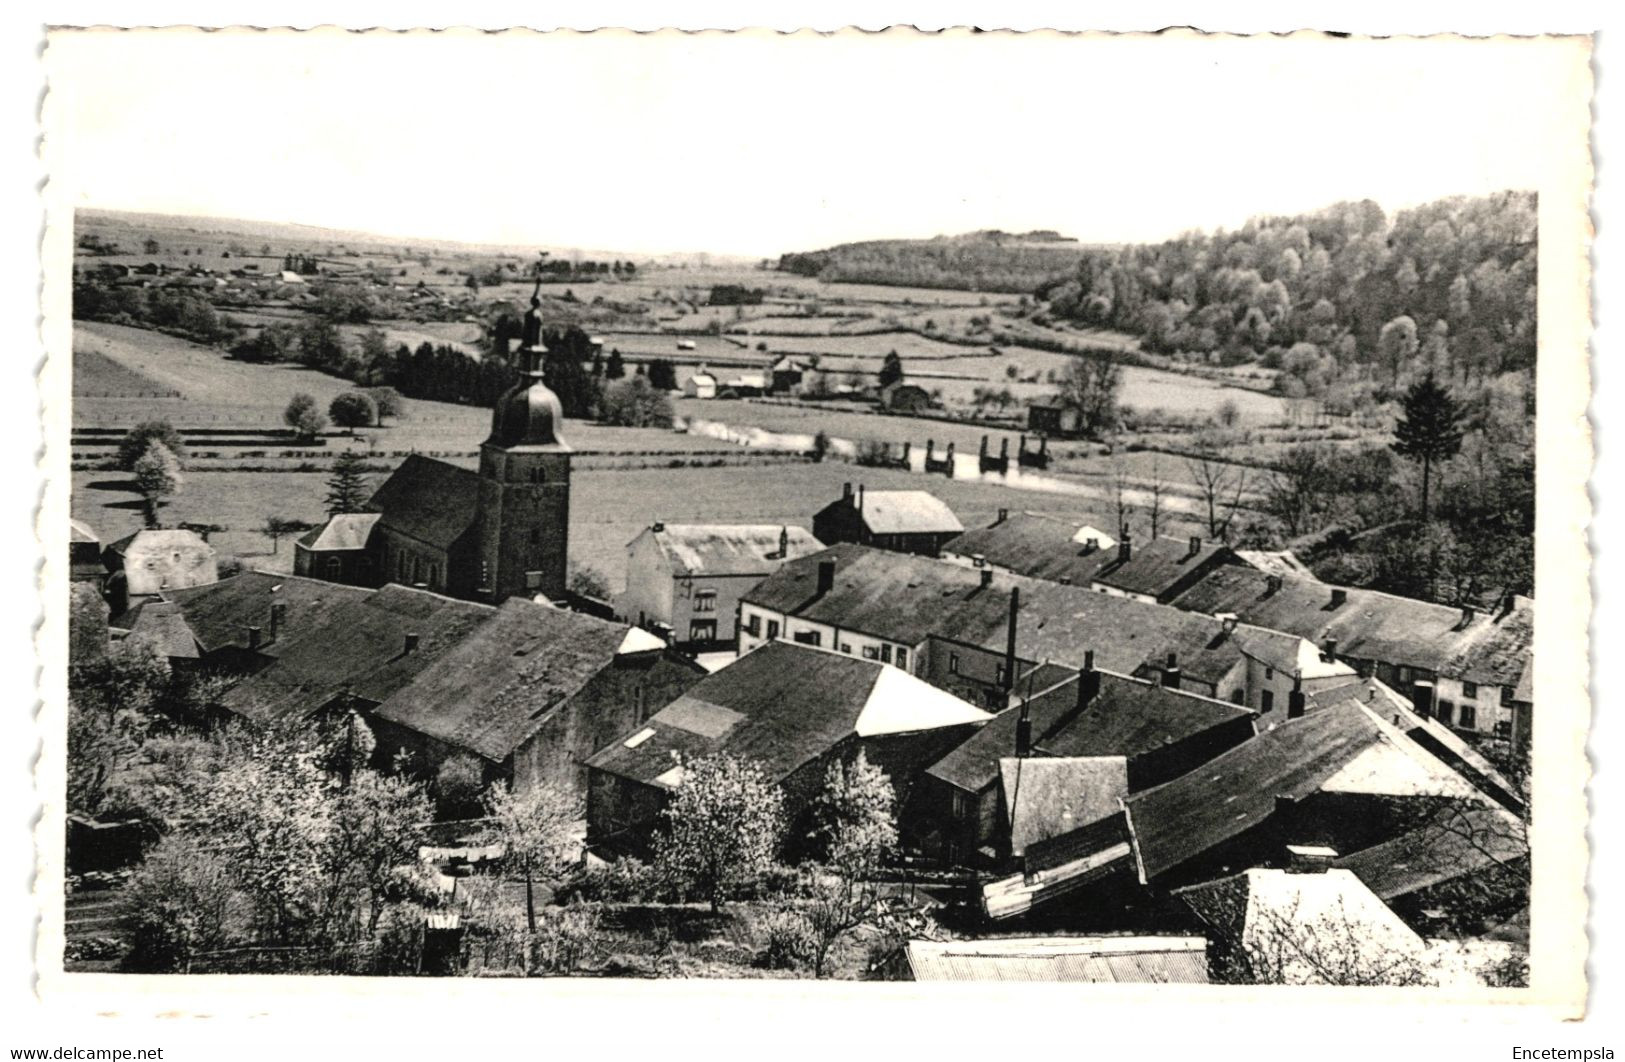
[347, 486]
[1214, 479]
[459, 786]
[150, 246]
[722, 827]
[1429, 429]
[588, 582]
[352, 410]
[387, 402]
[1397, 344]
[1157, 489]
[537, 828]
[304, 417]
[183, 901]
[891, 370]
[378, 827]
[135, 442]
[635, 403]
[1090, 387]
[662, 374]
[615, 367]
[157, 476]
[278, 526]
[855, 831]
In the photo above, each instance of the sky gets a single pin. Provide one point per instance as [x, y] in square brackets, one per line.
[758, 144]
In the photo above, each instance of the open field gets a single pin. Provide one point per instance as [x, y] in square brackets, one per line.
[95, 374]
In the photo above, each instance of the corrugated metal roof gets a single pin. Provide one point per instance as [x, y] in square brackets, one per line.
[1088, 960]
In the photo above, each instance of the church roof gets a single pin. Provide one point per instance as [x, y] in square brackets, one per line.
[431, 501]
[342, 531]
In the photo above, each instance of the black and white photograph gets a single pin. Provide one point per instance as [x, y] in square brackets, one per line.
[892, 507]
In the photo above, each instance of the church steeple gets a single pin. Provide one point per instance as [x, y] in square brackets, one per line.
[525, 483]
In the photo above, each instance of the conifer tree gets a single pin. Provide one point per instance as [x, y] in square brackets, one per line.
[1429, 429]
[347, 487]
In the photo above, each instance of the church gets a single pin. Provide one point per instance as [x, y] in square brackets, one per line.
[502, 531]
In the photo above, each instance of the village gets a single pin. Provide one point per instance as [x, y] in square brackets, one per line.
[971, 689]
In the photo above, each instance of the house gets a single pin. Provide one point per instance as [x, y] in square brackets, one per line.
[484, 535]
[792, 710]
[745, 385]
[142, 565]
[1075, 960]
[84, 553]
[528, 695]
[1048, 419]
[1475, 662]
[338, 550]
[288, 276]
[905, 521]
[1158, 570]
[689, 578]
[785, 375]
[701, 384]
[975, 632]
[1114, 734]
[1315, 924]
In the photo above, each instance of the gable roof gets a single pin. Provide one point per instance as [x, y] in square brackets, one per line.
[428, 500]
[158, 540]
[162, 626]
[1344, 747]
[1045, 797]
[1038, 545]
[359, 648]
[219, 614]
[731, 549]
[902, 512]
[1088, 960]
[1491, 648]
[1161, 565]
[79, 531]
[1126, 718]
[495, 688]
[343, 531]
[781, 705]
[1458, 842]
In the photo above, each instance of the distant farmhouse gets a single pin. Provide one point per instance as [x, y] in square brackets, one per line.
[906, 521]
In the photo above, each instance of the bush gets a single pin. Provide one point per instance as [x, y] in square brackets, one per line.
[791, 943]
[565, 936]
[303, 416]
[623, 881]
[459, 787]
[352, 409]
[133, 445]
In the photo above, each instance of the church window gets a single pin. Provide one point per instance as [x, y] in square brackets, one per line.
[333, 568]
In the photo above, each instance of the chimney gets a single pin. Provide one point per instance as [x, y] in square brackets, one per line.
[1088, 681]
[279, 617]
[1004, 514]
[253, 637]
[657, 527]
[1309, 858]
[1010, 641]
[1339, 595]
[1125, 548]
[1089, 546]
[411, 641]
[1024, 734]
[930, 449]
[860, 497]
[1272, 585]
[1295, 701]
[846, 492]
[1422, 697]
[784, 542]
[1004, 448]
[1285, 804]
[1508, 602]
[826, 577]
[1228, 619]
[950, 457]
[987, 578]
[983, 451]
[1170, 672]
[1329, 653]
[1468, 612]
[978, 560]
[1196, 546]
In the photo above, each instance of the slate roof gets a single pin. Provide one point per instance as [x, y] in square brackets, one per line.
[1374, 626]
[158, 540]
[905, 599]
[220, 613]
[781, 705]
[1161, 565]
[343, 531]
[1045, 797]
[731, 549]
[1088, 960]
[1454, 843]
[1038, 545]
[904, 512]
[1236, 791]
[162, 625]
[1126, 718]
[494, 689]
[358, 647]
[428, 500]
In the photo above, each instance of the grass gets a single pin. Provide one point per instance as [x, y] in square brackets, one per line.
[95, 374]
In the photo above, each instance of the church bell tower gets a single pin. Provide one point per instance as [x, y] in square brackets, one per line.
[524, 498]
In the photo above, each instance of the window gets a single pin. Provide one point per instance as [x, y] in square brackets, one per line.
[1469, 717]
[902, 658]
[334, 568]
[885, 654]
[998, 675]
[846, 647]
[533, 580]
[871, 653]
[1446, 712]
[1269, 674]
[1503, 729]
[772, 629]
[434, 576]
[1266, 701]
[953, 663]
[808, 637]
[753, 625]
[1405, 675]
[961, 804]
[702, 631]
[1506, 696]
[1469, 691]
[1238, 697]
[705, 601]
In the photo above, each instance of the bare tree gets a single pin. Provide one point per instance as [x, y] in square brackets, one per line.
[1221, 486]
[1156, 491]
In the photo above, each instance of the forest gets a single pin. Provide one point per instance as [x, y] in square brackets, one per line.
[978, 261]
